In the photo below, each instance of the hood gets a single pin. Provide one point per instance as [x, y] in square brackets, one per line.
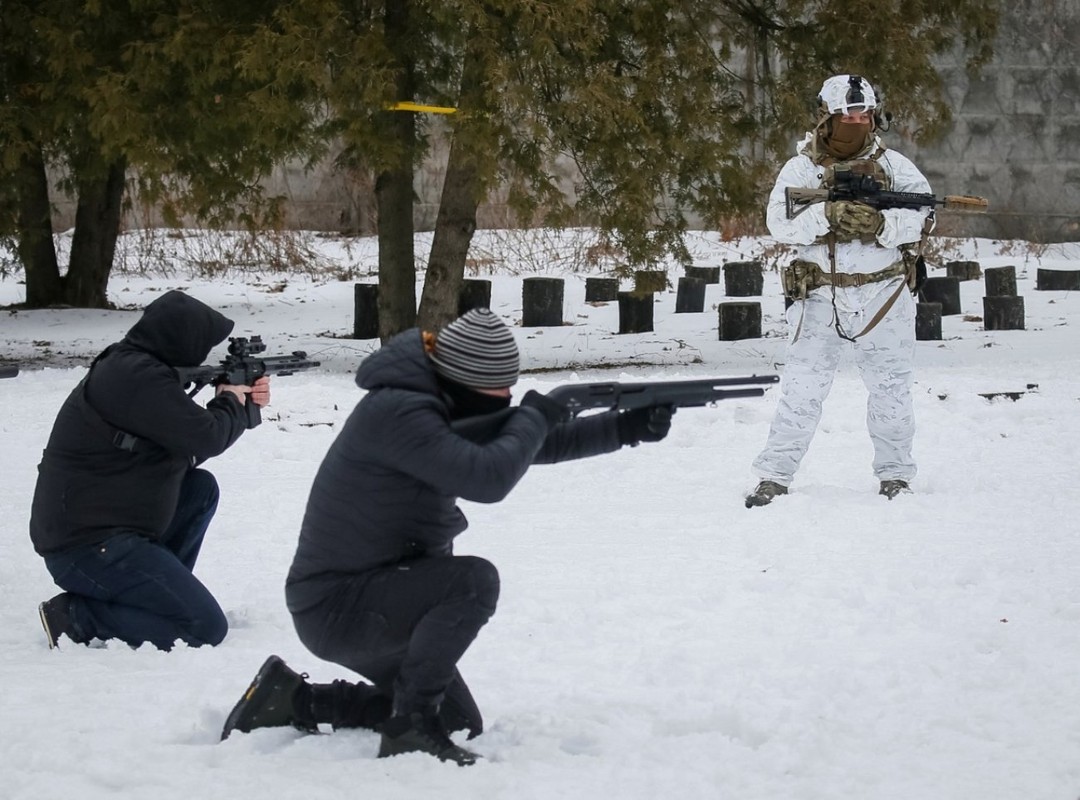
[401, 363]
[179, 330]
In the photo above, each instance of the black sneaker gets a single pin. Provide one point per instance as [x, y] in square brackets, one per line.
[422, 733]
[55, 617]
[892, 488]
[269, 702]
[764, 493]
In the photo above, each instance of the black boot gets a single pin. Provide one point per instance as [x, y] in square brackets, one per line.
[55, 615]
[422, 732]
[276, 697]
[349, 705]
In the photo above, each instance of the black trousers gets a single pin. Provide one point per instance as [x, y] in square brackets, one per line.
[405, 627]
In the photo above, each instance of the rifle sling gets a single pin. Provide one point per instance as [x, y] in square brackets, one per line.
[807, 276]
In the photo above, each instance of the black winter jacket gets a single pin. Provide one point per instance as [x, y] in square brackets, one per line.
[128, 433]
[387, 490]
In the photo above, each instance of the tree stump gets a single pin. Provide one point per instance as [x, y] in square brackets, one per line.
[541, 302]
[366, 311]
[601, 290]
[743, 279]
[650, 280]
[942, 290]
[740, 321]
[707, 274]
[1003, 313]
[691, 296]
[635, 312]
[474, 294]
[1057, 280]
[1000, 281]
[964, 270]
[928, 322]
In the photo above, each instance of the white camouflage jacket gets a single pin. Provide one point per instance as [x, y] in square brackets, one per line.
[901, 225]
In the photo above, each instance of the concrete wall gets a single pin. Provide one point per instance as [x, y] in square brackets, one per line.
[1016, 133]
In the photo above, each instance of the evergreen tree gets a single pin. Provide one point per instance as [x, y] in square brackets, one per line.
[666, 107]
[153, 88]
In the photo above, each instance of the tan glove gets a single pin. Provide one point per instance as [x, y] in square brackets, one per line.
[853, 219]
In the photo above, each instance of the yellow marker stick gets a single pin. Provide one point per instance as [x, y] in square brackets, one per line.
[405, 105]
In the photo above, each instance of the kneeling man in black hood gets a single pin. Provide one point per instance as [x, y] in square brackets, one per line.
[120, 508]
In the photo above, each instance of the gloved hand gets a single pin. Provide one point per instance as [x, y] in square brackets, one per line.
[554, 412]
[649, 424]
[853, 219]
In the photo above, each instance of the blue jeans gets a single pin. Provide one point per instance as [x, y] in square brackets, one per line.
[130, 588]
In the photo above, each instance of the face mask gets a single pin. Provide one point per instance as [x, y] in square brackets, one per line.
[846, 139]
[465, 402]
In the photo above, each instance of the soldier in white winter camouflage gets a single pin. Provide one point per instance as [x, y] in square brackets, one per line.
[848, 283]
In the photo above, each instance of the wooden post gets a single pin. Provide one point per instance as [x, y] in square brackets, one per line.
[1003, 313]
[964, 270]
[635, 312]
[601, 290]
[1057, 280]
[707, 274]
[691, 296]
[928, 322]
[743, 279]
[740, 321]
[650, 280]
[541, 302]
[942, 290]
[366, 311]
[474, 294]
[1000, 281]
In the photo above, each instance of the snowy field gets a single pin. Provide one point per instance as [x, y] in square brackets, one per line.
[654, 639]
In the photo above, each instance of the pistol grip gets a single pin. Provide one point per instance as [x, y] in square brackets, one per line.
[254, 415]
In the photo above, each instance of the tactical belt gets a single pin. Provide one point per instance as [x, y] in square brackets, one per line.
[802, 277]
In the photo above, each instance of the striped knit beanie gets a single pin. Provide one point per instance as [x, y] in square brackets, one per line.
[477, 350]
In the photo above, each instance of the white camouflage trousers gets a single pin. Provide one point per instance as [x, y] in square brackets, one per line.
[885, 359]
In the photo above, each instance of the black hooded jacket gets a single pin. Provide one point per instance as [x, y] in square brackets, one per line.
[128, 433]
[387, 489]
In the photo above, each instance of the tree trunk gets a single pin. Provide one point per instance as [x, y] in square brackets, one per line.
[397, 262]
[93, 245]
[454, 229]
[37, 251]
[394, 192]
[463, 189]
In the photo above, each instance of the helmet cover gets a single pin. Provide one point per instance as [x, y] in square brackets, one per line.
[841, 94]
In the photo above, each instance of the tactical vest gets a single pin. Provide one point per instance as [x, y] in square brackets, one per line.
[859, 166]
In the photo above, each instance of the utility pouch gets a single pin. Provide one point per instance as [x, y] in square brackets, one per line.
[800, 278]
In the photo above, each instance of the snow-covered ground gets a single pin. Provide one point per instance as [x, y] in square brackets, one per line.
[654, 639]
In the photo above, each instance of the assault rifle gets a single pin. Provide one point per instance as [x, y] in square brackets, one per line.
[8, 371]
[242, 367]
[614, 396]
[866, 189]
